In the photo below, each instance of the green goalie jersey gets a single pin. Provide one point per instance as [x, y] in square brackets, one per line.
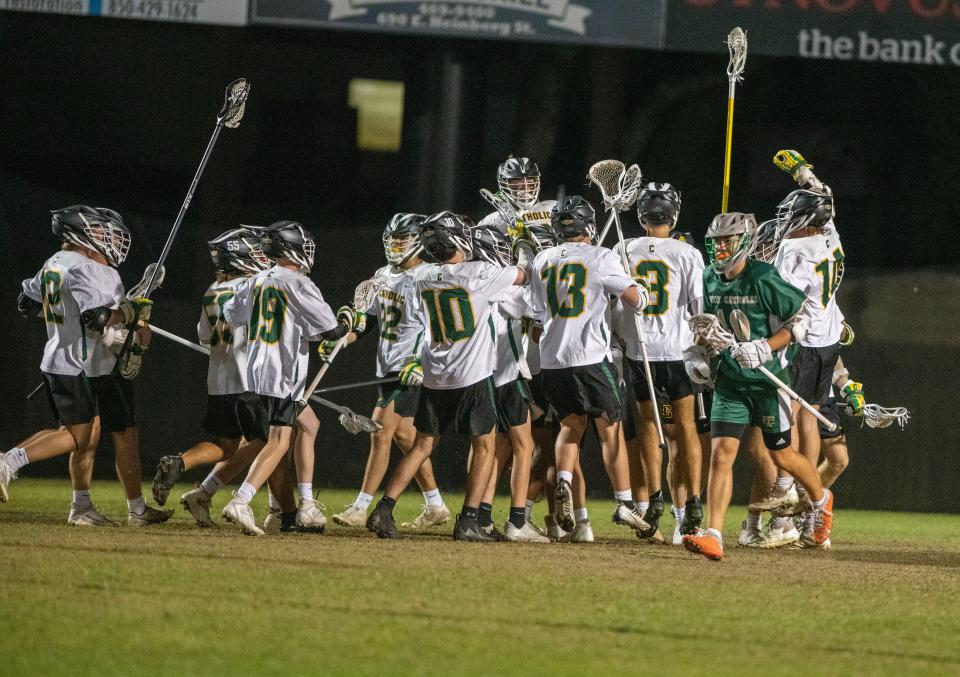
[753, 305]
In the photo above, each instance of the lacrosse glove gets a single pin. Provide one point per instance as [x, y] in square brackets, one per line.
[353, 320]
[790, 161]
[752, 354]
[852, 394]
[135, 309]
[411, 374]
[326, 348]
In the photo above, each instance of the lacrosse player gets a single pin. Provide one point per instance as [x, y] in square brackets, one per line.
[397, 307]
[78, 293]
[833, 443]
[751, 298]
[569, 288]
[672, 272]
[283, 310]
[518, 183]
[457, 363]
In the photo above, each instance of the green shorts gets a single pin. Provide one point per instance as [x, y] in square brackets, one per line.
[766, 408]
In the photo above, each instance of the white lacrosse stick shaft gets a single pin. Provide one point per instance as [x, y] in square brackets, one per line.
[178, 339]
[606, 229]
[326, 366]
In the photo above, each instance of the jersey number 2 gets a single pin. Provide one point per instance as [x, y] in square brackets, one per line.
[451, 314]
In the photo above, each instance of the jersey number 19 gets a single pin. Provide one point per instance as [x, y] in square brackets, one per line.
[269, 310]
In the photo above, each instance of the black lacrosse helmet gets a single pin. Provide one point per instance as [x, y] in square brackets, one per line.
[574, 216]
[492, 245]
[289, 239]
[401, 238]
[238, 251]
[658, 204]
[96, 228]
[446, 233]
[524, 195]
[802, 209]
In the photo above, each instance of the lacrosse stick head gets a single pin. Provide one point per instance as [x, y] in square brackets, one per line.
[608, 176]
[707, 328]
[149, 282]
[505, 208]
[401, 238]
[737, 44]
[629, 187]
[876, 416]
[519, 180]
[355, 424]
[731, 238]
[366, 292]
[234, 103]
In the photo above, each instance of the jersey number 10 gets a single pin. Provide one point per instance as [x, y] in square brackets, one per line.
[451, 314]
[832, 273]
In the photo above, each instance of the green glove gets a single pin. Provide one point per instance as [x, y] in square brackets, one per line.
[853, 396]
[136, 309]
[354, 320]
[790, 161]
[325, 349]
[411, 374]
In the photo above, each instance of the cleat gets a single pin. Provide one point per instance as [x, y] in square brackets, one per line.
[822, 520]
[750, 537]
[430, 516]
[149, 516]
[677, 534]
[704, 544]
[310, 517]
[352, 516]
[780, 533]
[652, 516]
[563, 508]
[381, 522]
[7, 475]
[169, 470]
[554, 532]
[288, 523]
[657, 538]
[778, 499]
[271, 523]
[88, 517]
[806, 541]
[469, 529]
[582, 533]
[631, 518]
[241, 515]
[197, 502]
[525, 534]
[494, 533]
[692, 517]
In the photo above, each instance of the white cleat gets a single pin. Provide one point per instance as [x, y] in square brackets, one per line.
[630, 518]
[750, 537]
[352, 516]
[780, 533]
[7, 475]
[677, 536]
[431, 516]
[197, 502]
[271, 523]
[778, 499]
[240, 514]
[582, 533]
[554, 532]
[88, 517]
[149, 516]
[310, 517]
[563, 506]
[525, 534]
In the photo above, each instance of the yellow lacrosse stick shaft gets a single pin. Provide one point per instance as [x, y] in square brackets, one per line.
[729, 149]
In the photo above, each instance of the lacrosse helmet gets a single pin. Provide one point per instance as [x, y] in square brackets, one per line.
[96, 228]
[290, 240]
[401, 238]
[658, 204]
[541, 236]
[492, 245]
[572, 217]
[804, 208]
[238, 251]
[739, 233]
[768, 241]
[446, 233]
[519, 179]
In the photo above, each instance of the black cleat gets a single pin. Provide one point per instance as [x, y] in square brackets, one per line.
[692, 517]
[288, 523]
[492, 531]
[563, 506]
[652, 516]
[168, 472]
[469, 529]
[381, 522]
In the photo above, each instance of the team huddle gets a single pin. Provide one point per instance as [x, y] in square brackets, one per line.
[521, 331]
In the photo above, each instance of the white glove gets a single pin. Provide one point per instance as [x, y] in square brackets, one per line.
[114, 337]
[752, 354]
[644, 300]
[696, 360]
[525, 256]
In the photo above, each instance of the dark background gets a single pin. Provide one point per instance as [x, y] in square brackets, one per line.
[117, 113]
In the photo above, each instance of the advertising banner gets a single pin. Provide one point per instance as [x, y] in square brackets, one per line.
[227, 12]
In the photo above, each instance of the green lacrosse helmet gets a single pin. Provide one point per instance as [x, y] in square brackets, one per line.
[742, 228]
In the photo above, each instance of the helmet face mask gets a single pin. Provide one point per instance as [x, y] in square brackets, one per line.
[96, 228]
[519, 180]
[492, 246]
[731, 238]
[574, 217]
[238, 251]
[401, 238]
[289, 240]
[658, 204]
[803, 209]
[446, 233]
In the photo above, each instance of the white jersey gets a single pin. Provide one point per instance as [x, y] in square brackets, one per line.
[813, 265]
[457, 304]
[68, 284]
[227, 368]
[397, 307]
[538, 214]
[283, 310]
[508, 327]
[569, 296]
[673, 274]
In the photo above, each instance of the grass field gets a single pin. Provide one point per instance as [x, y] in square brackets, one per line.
[177, 600]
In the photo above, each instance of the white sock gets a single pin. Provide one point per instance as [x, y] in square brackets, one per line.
[625, 495]
[81, 498]
[784, 482]
[564, 475]
[678, 513]
[528, 510]
[822, 502]
[716, 534]
[305, 489]
[245, 493]
[753, 521]
[642, 507]
[581, 514]
[137, 506]
[17, 458]
[363, 500]
[273, 503]
[432, 498]
[211, 484]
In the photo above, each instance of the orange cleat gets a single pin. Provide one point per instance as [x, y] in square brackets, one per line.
[823, 520]
[704, 544]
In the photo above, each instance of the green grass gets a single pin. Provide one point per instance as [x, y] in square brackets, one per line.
[177, 600]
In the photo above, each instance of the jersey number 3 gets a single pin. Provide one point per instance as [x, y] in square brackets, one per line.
[451, 314]
[655, 275]
[269, 310]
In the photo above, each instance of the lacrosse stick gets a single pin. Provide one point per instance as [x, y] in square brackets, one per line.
[737, 44]
[708, 328]
[876, 416]
[609, 176]
[507, 210]
[628, 188]
[361, 384]
[234, 106]
[150, 277]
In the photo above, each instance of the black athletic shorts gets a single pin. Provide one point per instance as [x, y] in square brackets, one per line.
[221, 417]
[547, 419]
[404, 398]
[589, 389]
[115, 401]
[472, 410]
[513, 404]
[811, 372]
[669, 380]
[257, 413]
[832, 410]
[71, 398]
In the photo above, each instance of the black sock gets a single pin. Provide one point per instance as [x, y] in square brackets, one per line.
[627, 504]
[288, 519]
[518, 516]
[387, 502]
[468, 512]
[485, 514]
